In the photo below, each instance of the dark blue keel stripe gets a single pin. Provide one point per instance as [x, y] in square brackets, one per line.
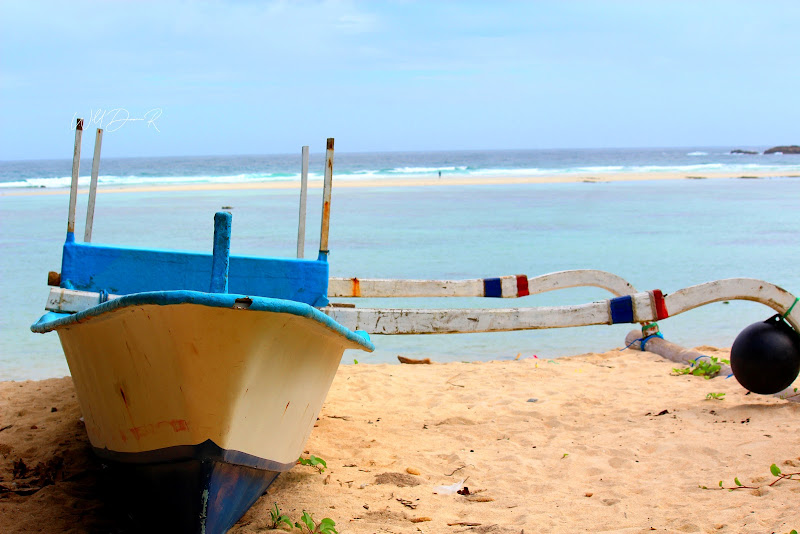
[621, 310]
[492, 288]
[206, 451]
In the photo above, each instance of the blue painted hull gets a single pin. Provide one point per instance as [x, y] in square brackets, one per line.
[188, 489]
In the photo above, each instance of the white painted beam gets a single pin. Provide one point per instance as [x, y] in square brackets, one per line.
[379, 287]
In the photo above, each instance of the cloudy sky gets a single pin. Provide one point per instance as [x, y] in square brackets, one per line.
[247, 77]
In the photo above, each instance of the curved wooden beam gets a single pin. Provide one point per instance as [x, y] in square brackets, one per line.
[766, 293]
[504, 286]
[637, 308]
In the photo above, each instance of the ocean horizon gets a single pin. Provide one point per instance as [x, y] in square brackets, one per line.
[657, 234]
[254, 169]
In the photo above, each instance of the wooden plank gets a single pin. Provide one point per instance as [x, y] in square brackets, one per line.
[383, 288]
[73, 189]
[452, 321]
[71, 301]
[98, 141]
[301, 225]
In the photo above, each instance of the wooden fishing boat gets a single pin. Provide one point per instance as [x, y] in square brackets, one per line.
[201, 381]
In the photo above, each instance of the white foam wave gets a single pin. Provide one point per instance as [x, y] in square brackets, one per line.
[423, 170]
[110, 180]
[698, 153]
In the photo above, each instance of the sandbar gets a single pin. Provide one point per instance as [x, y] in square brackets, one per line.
[415, 182]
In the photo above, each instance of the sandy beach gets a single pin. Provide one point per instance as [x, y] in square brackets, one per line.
[589, 443]
[418, 182]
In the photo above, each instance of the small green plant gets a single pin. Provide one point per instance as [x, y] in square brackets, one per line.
[715, 396]
[705, 368]
[277, 517]
[774, 469]
[325, 526]
[313, 461]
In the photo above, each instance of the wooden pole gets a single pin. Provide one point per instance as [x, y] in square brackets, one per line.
[98, 141]
[326, 202]
[220, 261]
[301, 225]
[73, 190]
[671, 351]
[679, 354]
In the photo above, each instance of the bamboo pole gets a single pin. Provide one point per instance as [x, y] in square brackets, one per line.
[301, 225]
[98, 141]
[326, 202]
[73, 189]
[679, 354]
[670, 351]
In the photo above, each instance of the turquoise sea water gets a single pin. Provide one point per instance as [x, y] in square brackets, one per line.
[656, 234]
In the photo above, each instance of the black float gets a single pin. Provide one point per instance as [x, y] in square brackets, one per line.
[765, 357]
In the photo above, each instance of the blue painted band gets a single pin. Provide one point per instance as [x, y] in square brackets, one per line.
[52, 321]
[621, 309]
[492, 288]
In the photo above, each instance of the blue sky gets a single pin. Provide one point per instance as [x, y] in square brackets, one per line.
[267, 77]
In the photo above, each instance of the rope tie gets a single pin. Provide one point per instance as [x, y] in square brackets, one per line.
[790, 308]
[648, 338]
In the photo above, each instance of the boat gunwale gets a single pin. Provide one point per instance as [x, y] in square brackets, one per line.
[53, 320]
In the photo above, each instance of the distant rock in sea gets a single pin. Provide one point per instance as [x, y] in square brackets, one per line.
[740, 151]
[792, 149]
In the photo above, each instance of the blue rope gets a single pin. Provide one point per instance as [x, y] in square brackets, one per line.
[631, 343]
[648, 338]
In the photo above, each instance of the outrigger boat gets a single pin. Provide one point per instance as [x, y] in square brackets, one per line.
[202, 380]
[202, 375]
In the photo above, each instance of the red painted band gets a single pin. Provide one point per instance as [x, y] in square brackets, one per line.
[661, 305]
[522, 285]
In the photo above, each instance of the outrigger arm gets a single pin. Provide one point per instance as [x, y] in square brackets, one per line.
[638, 307]
[628, 306]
